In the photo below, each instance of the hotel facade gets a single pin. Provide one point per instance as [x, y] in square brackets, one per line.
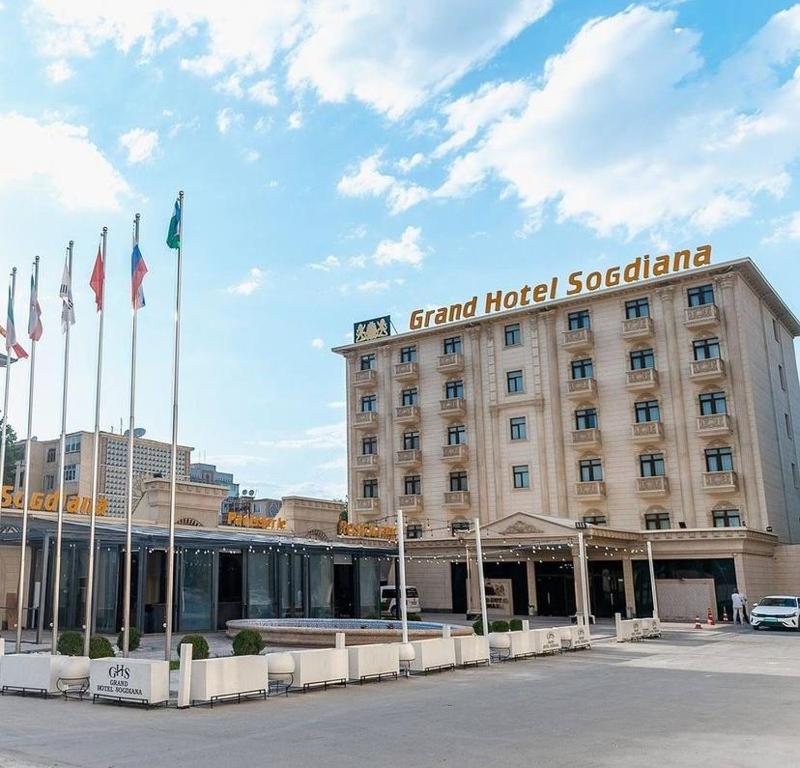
[662, 411]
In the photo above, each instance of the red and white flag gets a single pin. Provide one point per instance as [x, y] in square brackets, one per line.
[35, 314]
[98, 281]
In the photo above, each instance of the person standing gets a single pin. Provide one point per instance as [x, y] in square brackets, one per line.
[739, 601]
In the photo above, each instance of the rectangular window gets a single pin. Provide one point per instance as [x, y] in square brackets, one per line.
[414, 530]
[651, 465]
[595, 519]
[514, 382]
[70, 472]
[647, 410]
[637, 308]
[521, 476]
[702, 294]
[72, 444]
[795, 475]
[412, 485]
[782, 377]
[788, 425]
[706, 349]
[368, 361]
[642, 358]
[591, 470]
[578, 320]
[458, 481]
[408, 354]
[369, 445]
[452, 345]
[586, 418]
[656, 521]
[411, 441]
[457, 435]
[369, 403]
[519, 428]
[513, 335]
[712, 403]
[51, 455]
[370, 488]
[50, 482]
[719, 459]
[727, 518]
[582, 369]
[408, 396]
[454, 389]
[776, 330]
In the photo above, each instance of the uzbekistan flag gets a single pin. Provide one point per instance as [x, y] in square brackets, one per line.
[11, 332]
[138, 271]
[35, 313]
[97, 282]
[174, 233]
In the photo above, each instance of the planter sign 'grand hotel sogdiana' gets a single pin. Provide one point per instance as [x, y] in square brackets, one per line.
[651, 402]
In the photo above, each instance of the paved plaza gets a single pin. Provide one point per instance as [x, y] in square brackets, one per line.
[722, 697]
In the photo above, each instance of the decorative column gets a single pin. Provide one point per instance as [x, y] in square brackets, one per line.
[558, 491]
[478, 436]
[386, 443]
[630, 594]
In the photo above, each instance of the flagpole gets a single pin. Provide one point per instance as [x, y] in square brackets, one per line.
[62, 459]
[89, 609]
[6, 390]
[174, 454]
[126, 615]
[27, 482]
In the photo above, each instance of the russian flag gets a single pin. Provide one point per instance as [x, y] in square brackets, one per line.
[138, 271]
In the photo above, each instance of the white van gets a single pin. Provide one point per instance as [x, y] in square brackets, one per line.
[389, 600]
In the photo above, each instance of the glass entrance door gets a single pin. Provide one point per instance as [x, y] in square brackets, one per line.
[196, 593]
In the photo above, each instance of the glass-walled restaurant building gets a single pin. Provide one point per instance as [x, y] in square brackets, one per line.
[220, 575]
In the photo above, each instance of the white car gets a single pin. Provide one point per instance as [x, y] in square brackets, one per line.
[776, 611]
[389, 600]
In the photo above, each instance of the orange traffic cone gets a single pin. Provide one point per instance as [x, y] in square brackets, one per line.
[710, 619]
[725, 619]
[697, 624]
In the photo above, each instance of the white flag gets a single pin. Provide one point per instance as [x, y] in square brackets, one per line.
[68, 308]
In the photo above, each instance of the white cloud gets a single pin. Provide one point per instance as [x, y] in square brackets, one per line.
[338, 404]
[359, 262]
[338, 463]
[251, 155]
[406, 164]
[295, 121]
[263, 92]
[327, 264]
[406, 250]
[231, 86]
[140, 144]
[181, 126]
[356, 233]
[318, 343]
[328, 436]
[59, 71]
[227, 118]
[626, 131]
[59, 159]
[367, 180]
[377, 286]
[785, 228]
[252, 283]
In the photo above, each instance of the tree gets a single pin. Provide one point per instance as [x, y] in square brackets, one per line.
[13, 454]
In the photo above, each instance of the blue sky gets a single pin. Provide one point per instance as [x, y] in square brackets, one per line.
[343, 160]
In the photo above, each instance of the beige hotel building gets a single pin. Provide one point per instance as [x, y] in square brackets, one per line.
[661, 411]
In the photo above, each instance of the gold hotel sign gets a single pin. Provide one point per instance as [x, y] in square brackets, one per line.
[239, 520]
[641, 268]
[48, 502]
[367, 530]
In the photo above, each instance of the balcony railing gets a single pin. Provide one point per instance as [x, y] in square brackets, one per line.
[590, 489]
[586, 438]
[366, 378]
[410, 502]
[720, 482]
[578, 388]
[703, 315]
[645, 431]
[714, 424]
[641, 378]
[637, 328]
[707, 370]
[367, 461]
[453, 406]
[581, 338]
[455, 453]
[405, 414]
[406, 370]
[365, 419]
[408, 457]
[652, 486]
[456, 499]
[367, 505]
[452, 361]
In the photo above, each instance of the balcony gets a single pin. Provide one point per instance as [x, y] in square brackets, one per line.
[577, 340]
[405, 371]
[410, 457]
[702, 316]
[707, 370]
[641, 378]
[367, 506]
[652, 486]
[585, 438]
[590, 489]
[455, 453]
[366, 378]
[581, 388]
[647, 431]
[366, 420]
[456, 499]
[406, 414]
[637, 328]
[410, 503]
[720, 482]
[367, 461]
[714, 425]
[451, 362]
[453, 406]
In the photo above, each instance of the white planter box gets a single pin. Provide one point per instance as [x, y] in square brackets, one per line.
[377, 660]
[436, 653]
[144, 681]
[520, 644]
[581, 637]
[650, 628]
[545, 640]
[321, 666]
[227, 677]
[629, 629]
[31, 672]
[471, 650]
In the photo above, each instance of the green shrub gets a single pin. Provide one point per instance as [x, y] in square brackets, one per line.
[477, 627]
[500, 626]
[134, 639]
[100, 648]
[248, 642]
[515, 625]
[199, 646]
[70, 643]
